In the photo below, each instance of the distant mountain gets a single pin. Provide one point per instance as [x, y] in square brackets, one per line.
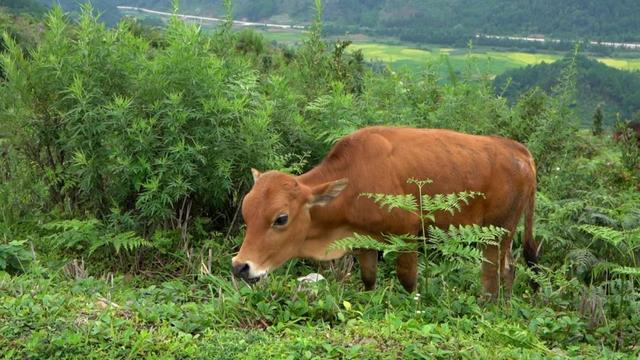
[616, 91]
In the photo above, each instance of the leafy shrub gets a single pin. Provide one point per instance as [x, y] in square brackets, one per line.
[88, 236]
[115, 126]
[14, 258]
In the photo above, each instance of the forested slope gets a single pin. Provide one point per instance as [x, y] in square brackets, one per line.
[597, 84]
[425, 20]
[447, 20]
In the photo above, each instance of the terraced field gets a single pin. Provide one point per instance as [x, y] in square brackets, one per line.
[485, 60]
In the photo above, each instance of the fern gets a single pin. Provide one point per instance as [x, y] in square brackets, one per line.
[454, 247]
[391, 243]
[127, 241]
[450, 203]
[611, 236]
[582, 260]
[627, 270]
[604, 267]
[357, 241]
[460, 244]
[89, 236]
[406, 202]
[429, 204]
[625, 242]
[476, 234]
[73, 234]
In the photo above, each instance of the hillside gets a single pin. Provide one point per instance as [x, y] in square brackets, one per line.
[615, 90]
[107, 9]
[445, 20]
[23, 6]
[439, 21]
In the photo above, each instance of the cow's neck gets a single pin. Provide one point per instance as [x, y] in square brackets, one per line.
[317, 242]
[327, 222]
[320, 175]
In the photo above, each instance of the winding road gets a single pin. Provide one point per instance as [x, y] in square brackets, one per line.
[213, 19]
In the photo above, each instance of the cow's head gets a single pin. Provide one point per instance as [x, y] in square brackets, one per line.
[277, 214]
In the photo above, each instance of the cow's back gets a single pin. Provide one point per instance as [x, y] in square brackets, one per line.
[382, 159]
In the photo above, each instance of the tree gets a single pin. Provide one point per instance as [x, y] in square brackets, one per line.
[597, 121]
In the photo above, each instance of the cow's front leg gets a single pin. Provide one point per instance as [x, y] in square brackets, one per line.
[407, 269]
[368, 260]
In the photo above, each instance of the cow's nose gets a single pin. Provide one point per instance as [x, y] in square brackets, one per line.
[241, 270]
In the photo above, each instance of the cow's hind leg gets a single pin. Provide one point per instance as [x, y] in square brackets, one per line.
[498, 268]
[368, 260]
[407, 269]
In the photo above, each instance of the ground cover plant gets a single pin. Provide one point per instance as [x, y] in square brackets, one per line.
[125, 153]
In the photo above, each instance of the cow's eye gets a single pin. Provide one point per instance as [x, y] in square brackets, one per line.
[281, 220]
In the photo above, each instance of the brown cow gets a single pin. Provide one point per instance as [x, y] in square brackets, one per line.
[299, 216]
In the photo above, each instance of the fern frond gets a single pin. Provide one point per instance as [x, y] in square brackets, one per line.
[73, 224]
[627, 270]
[450, 203]
[476, 234]
[460, 244]
[603, 267]
[582, 259]
[127, 241]
[392, 243]
[611, 236]
[405, 202]
[356, 241]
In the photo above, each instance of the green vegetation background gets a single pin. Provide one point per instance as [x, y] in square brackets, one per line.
[125, 152]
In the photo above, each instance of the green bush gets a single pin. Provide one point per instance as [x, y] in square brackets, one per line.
[114, 125]
[14, 258]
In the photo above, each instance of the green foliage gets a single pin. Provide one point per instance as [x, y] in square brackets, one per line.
[447, 250]
[628, 140]
[391, 244]
[626, 242]
[211, 317]
[22, 28]
[87, 236]
[596, 127]
[448, 22]
[130, 149]
[14, 258]
[23, 6]
[598, 86]
[112, 127]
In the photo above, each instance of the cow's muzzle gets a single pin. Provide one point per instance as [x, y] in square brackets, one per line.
[243, 271]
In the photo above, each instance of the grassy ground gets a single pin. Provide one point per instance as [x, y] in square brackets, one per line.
[47, 314]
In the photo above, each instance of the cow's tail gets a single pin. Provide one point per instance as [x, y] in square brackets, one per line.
[530, 247]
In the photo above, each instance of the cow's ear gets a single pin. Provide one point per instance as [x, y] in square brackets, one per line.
[323, 194]
[256, 174]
